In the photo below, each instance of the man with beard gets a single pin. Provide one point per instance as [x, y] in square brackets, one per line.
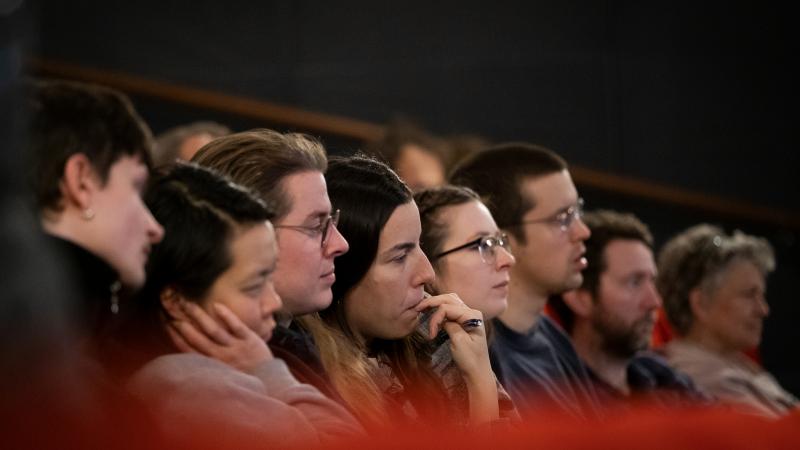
[610, 317]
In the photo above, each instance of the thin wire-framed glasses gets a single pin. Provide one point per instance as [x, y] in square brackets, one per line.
[486, 245]
[562, 219]
[324, 227]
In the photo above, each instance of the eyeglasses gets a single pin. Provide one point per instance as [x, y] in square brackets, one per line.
[563, 220]
[486, 245]
[324, 227]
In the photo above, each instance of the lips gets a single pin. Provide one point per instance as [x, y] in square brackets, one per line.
[417, 302]
[501, 285]
[269, 326]
[580, 259]
[331, 275]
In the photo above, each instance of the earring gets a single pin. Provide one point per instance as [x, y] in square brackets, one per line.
[114, 288]
[88, 214]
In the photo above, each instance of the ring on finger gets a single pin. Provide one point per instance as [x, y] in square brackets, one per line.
[471, 323]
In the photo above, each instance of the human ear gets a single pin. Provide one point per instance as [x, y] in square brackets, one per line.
[579, 301]
[698, 304]
[172, 303]
[79, 181]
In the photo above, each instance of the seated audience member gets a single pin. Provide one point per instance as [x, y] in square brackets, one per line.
[367, 337]
[471, 259]
[197, 336]
[419, 158]
[286, 171]
[461, 146]
[713, 286]
[183, 142]
[90, 157]
[530, 194]
[610, 317]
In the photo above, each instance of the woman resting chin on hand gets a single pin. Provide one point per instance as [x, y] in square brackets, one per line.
[203, 319]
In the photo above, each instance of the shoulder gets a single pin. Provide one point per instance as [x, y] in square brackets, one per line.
[190, 371]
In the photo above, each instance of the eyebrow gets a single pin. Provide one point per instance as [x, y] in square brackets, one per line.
[405, 246]
[319, 214]
[562, 210]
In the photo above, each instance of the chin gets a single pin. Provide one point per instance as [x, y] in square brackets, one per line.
[132, 280]
[493, 308]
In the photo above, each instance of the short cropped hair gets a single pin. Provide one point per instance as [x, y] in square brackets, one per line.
[497, 174]
[260, 160]
[68, 118]
[606, 226]
[698, 258]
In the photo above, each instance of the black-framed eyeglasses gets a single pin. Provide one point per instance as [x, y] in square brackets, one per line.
[486, 245]
[563, 219]
[324, 227]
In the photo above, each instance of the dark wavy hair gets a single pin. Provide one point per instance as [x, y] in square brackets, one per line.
[367, 192]
[201, 212]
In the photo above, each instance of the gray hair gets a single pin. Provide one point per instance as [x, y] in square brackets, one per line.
[699, 257]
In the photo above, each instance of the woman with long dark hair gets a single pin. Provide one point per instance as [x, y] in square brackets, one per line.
[369, 337]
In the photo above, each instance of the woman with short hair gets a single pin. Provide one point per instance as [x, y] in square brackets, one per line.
[713, 286]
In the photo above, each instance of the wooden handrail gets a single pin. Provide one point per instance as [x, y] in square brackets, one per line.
[275, 113]
[201, 98]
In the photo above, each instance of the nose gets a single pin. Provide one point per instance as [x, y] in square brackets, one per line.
[653, 299]
[503, 258]
[270, 301]
[762, 307]
[424, 270]
[155, 232]
[336, 245]
[579, 231]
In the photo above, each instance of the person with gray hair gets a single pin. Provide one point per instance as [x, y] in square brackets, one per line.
[713, 286]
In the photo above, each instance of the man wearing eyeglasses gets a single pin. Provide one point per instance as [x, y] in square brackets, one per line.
[531, 195]
[286, 170]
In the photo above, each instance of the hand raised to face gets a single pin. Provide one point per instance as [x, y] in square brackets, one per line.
[223, 337]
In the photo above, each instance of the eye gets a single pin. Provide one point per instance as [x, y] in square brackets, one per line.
[255, 289]
[400, 258]
[562, 217]
[636, 281]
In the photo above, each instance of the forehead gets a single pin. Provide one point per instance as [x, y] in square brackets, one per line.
[628, 255]
[741, 274]
[127, 167]
[307, 193]
[467, 219]
[403, 226]
[253, 247]
[550, 192]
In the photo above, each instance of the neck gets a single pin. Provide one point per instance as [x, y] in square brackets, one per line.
[66, 225]
[525, 304]
[707, 340]
[610, 368]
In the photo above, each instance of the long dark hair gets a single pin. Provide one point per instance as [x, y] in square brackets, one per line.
[367, 192]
